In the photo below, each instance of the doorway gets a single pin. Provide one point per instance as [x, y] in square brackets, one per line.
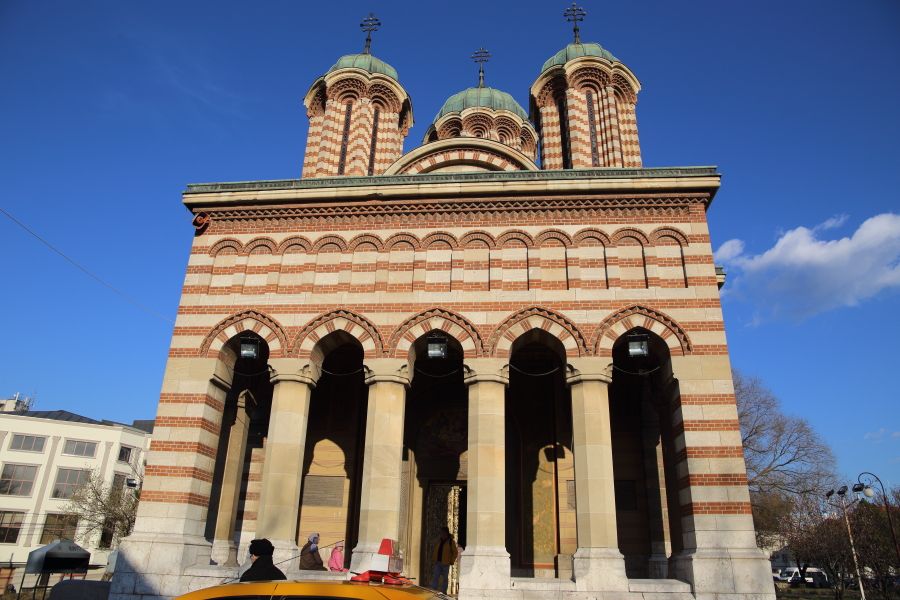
[445, 505]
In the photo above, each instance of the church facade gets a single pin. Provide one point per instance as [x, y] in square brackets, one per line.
[513, 330]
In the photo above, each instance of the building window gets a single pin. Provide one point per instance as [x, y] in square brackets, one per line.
[374, 143]
[592, 126]
[27, 443]
[125, 454]
[10, 525]
[345, 140]
[69, 480]
[59, 527]
[563, 111]
[17, 480]
[80, 448]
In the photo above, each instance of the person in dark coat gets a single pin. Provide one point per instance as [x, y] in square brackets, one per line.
[262, 567]
[310, 559]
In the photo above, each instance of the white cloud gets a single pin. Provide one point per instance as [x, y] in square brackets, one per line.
[729, 250]
[802, 275]
[875, 436]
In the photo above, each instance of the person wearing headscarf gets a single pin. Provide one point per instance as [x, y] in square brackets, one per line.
[310, 559]
[336, 560]
[262, 568]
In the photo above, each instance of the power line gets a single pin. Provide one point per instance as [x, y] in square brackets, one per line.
[87, 272]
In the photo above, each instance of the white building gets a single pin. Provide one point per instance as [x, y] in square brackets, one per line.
[44, 457]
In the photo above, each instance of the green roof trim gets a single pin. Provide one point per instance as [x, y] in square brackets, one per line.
[555, 174]
[366, 62]
[573, 51]
[486, 97]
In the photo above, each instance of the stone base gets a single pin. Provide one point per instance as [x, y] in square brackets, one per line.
[720, 574]
[658, 566]
[365, 557]
[599, 570]
[151, 566]
[286, 556]
[224, 553]
[484, 568]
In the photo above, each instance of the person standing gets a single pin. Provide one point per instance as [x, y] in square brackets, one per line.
[310, 559]
[444, 556]
[262, 568]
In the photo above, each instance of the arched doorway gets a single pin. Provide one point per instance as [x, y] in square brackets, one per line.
[434, 453]
[231, 520]
[332, 469]
[641, 404]
[540, 469]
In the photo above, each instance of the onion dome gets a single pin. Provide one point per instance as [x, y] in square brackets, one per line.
[365, 62]
[573, 51]
[484, 97]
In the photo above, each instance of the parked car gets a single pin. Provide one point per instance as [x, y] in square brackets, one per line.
[814, 577]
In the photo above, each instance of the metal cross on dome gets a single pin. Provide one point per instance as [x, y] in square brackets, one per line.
[481, 56]
[369, 24]
[574, 14]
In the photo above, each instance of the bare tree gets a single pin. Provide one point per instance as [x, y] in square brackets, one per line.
[108, 510]
[788, 465]
[784, 454]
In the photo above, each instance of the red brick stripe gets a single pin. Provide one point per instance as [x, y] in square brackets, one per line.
[713, 479]
[716, 508]
[190, 422]
[175, 398]
[170, 471]
[174, 497]
[191, 447]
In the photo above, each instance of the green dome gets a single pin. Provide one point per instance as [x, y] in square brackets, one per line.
[576, 50]
[481, 96]
[366, 62]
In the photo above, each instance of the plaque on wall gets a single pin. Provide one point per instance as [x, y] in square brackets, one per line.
[323, 490]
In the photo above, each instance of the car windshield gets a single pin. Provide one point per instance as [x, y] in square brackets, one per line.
[786, 572]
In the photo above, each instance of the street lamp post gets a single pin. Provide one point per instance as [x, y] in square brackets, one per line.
[870, 493]
[841, 493]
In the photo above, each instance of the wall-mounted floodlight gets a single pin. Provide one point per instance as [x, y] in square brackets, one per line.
[638, 345]
[436, 346]
[249, 347]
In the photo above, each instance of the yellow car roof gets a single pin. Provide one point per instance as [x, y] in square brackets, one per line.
[316, 589]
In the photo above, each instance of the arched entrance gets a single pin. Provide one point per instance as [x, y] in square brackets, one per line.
[434, 453]
[332, 469]
[540, 473]
[231, 520]
[647, 511]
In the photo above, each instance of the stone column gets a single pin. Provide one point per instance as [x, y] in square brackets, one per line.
[598, 563]
[379, 511]
[224, 548]
[484, 565]
[279, 502]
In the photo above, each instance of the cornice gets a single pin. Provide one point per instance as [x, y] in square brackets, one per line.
[616, 203]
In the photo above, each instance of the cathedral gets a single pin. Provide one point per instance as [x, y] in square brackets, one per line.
[513, 330]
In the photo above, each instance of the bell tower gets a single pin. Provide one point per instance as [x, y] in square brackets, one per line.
[583, 103]
[359, 115]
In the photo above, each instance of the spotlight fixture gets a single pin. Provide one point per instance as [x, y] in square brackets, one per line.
[249, 347]
[638, 345]
[436, 346]
[842, 491]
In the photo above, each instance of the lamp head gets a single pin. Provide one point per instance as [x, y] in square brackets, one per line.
[249, 347]
[436, 346]
[638, 345]
[868, 492]
[858, 488]
[829, 493]
[842, 491]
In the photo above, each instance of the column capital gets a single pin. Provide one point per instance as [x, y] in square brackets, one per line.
[304, 374]
[478, 370]
[580, 370]
[392, 370]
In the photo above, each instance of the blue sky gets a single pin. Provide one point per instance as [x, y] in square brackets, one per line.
[108, 109]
